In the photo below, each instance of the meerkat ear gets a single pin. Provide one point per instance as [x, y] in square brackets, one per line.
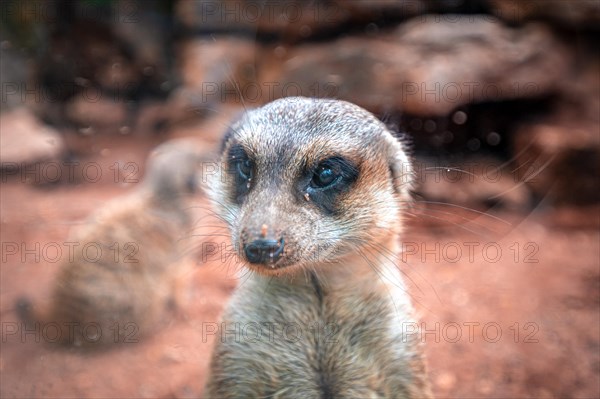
[401, 168]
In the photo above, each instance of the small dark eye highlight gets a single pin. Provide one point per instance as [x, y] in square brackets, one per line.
[325, 176]
[332, 172]
[241, 169]
[244, 168]
[240, 163]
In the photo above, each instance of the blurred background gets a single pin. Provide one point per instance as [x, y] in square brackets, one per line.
[500, 100]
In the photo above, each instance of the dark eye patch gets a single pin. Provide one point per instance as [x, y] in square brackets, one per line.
[240, 168]
[191, 184]
[325, 181]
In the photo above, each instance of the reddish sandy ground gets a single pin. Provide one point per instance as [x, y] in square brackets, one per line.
[509, 303]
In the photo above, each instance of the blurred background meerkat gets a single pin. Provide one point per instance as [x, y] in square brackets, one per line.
[127, 268]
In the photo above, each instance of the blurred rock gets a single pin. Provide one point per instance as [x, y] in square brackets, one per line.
[15, 76]
[290, 20]
[101, 114]
[211, 16]
[560, 162]
[209, 131]
[217, 70]
[580, 91]
[371, 11]
[96, 112]
[26, 140]
[152, 117]
[345, 69]
[576, 14]
[574, 217]
[88, 54]
[559, 155]
[184, 105]
[143, 27]
[296, 20]
[476, 182]
[430, 65]
[466, 59]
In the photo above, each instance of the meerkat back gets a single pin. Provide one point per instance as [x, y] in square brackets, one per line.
[313, 192]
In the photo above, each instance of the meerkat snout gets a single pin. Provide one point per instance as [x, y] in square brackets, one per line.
[263, 251]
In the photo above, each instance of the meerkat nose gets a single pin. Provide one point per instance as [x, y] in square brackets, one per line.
[263, 251]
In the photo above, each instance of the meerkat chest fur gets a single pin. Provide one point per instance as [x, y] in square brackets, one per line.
[313, 192]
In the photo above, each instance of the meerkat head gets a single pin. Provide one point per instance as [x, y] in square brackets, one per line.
[308, 181]
[173, 169]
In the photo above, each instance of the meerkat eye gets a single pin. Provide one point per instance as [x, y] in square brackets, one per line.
[240, 164]
[241, 169]
[324, 176]
[322, 184]
[332, 172]
[244, 168]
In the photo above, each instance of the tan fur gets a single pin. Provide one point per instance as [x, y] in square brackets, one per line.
[324, 320]
[124, 295]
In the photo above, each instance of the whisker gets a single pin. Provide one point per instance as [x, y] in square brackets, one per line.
[527, 178]
[412, 296]
[454, 224]
[448, 169]
[428, 211]
[465, 208]
[413, 269]
[367, 243]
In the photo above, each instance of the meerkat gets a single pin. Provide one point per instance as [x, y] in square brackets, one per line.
[124, 271]
[314, 195]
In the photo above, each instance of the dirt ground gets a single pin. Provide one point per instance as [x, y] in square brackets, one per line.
[508, 302]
